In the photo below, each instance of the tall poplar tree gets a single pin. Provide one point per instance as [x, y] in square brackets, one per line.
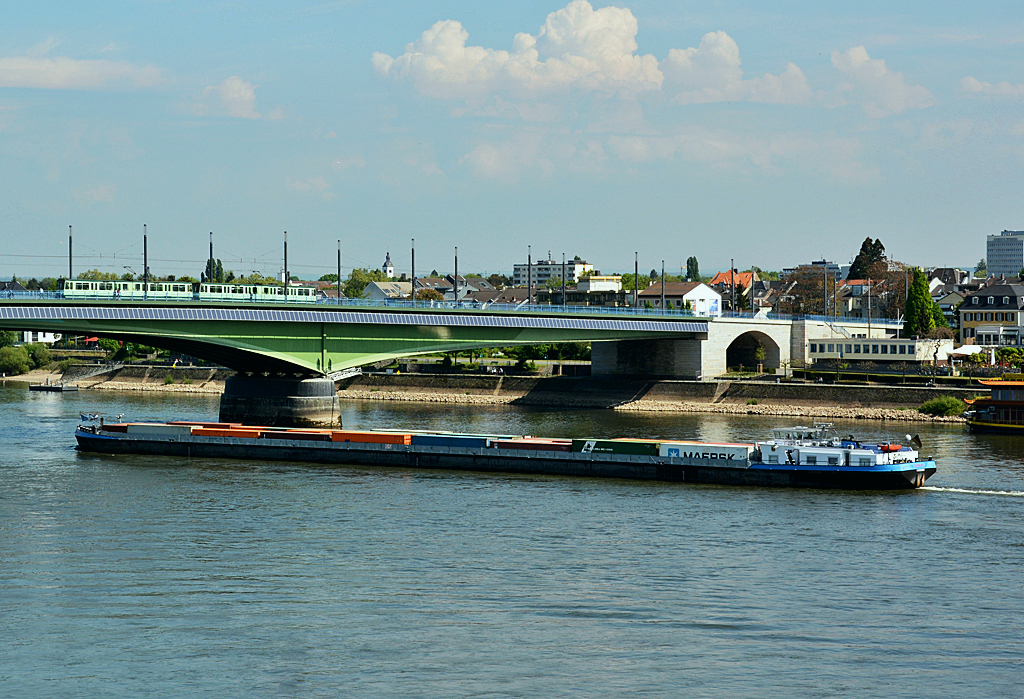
[920, 318]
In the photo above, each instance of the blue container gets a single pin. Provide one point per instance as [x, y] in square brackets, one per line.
[449, 440]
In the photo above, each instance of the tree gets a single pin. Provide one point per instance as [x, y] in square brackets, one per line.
[692, 269]
[429, 295]
[214, 271]
[919, 319]
[96, 275]
[628, 284]
[329, 278]
[359, 279]
[554, 283]
[654, 274]
[39, 354]
[981, 269]
[9, 337]
[804, 294]
[499, 281]
[870, 253]
[14, 360]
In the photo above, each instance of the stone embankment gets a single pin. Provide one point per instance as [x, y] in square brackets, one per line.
[154, 378]
[790, 400]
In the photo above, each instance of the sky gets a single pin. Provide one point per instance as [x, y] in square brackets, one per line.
[721, 130]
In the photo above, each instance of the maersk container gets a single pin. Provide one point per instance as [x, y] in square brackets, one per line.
[703, 450]
[613, 446]
[159, 429]
[449, 440]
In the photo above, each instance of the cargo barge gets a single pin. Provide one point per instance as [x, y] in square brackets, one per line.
[803, 457]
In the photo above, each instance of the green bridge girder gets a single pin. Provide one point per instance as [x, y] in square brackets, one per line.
[320, 339]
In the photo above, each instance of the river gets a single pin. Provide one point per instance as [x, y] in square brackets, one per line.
[135, 576]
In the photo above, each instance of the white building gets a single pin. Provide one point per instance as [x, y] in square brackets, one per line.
[35, 336]
[544, 270]
[380, 291]
[1005, 253]
[701, 299]
[611, 282]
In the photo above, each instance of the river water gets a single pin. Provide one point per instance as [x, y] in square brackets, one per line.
[134, 576]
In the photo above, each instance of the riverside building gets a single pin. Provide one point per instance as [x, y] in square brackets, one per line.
[1004, 254]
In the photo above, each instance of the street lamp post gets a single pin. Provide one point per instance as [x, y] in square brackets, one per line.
[339, 271]
[636, 279]
[413, 294]
[563, 281]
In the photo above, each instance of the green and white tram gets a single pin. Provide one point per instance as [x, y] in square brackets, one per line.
[129, 291]
[214, 291]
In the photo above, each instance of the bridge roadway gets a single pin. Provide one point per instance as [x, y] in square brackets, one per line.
[320, 339]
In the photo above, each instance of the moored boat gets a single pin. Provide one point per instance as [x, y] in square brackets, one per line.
[1003, 411]
[811, 457]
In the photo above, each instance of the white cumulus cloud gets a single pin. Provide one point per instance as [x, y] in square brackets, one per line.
[61, 73]
[578, 47]
[712, 73]
[884, 92]
[1000, 89]
[237, 97]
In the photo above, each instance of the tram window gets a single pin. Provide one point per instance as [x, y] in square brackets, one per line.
[885, 349]
[831, 347]
[814, 347]
[849, 348]
[856, 349]
[874, 349]
[903, 349]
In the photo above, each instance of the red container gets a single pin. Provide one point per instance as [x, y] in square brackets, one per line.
[235, 432]
[116, 427]
[211, 425]
[370, 437]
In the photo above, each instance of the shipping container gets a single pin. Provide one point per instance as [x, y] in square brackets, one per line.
[304, 436]
[211, 425]
[450, 440]
[370, 437]
[235, 432]
[615, 446]
[705, 450]
[533, 444]
[159, 429]
[116, 427]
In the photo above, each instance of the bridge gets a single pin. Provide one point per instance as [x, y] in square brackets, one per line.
[292, 350]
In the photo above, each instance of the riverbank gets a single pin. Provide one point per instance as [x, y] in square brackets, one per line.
[812, 401]
[207, 380]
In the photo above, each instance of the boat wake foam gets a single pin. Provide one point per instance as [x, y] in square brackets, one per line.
[975, 491]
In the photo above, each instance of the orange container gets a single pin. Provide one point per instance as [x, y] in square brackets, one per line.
[212, 425]
[370, 437]
[235, 432]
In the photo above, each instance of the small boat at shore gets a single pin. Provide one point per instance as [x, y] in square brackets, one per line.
[805, 457]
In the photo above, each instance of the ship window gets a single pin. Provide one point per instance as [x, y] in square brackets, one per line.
[833, 461]
[773, 458]
[811, 461]
[864, 461]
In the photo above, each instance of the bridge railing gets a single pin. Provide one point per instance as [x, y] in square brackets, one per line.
[457, 305]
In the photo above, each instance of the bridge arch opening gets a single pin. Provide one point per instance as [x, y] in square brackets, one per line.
[743, 351]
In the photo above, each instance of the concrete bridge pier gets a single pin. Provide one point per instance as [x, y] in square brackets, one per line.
[280, 402]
